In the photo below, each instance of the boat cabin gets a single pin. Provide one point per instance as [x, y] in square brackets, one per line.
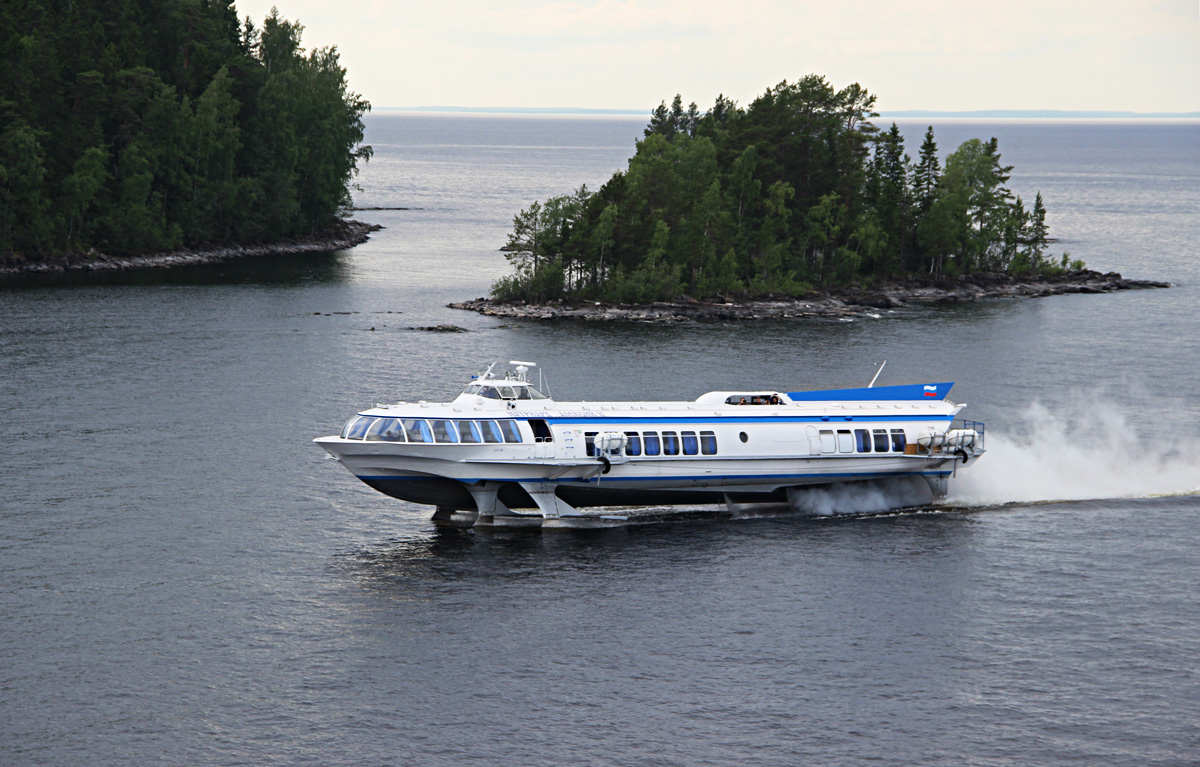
[504, 389]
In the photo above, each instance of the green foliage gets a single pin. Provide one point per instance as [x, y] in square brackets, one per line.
[131, 127]
[798, 189]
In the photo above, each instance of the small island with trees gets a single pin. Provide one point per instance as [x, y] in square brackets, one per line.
[796, 205]
[172, 129]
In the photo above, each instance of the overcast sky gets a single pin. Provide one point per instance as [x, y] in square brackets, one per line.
[956, 55]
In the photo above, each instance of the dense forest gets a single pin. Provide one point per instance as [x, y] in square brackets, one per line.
[795, 192]
[130, 126]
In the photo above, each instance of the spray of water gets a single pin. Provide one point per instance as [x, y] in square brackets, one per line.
[1093, 454]
[860, 497]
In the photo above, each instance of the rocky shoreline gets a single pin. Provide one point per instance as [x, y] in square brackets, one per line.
[846, 303]
[341, 235]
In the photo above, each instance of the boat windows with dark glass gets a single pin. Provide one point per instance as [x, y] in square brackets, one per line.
[489, 392]
[469, 432]
[862, 440]
[356, 427]
[845, 441]
[522, 392]
[708, 443]
[881, 440]
[899, 441]
[652, 444]
[633, 443]
[589, 442]
[670, 443]
[491, 432]
[511, 432]
[472, 389]
[506, 392]
[417, 430]
[691, 446]
[444, 431]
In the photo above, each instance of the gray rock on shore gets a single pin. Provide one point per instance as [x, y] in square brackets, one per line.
[847, 303]
[342, 235]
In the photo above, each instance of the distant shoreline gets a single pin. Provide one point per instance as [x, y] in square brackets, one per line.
[339, 236]
[843, 303]
[990, 114]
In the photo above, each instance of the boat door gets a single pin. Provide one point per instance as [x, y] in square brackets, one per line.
[543, 439]
[814, 441]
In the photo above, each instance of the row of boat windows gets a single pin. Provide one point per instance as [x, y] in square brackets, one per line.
[863, 441]
[669, 443]
[374, 429]
[650, 443]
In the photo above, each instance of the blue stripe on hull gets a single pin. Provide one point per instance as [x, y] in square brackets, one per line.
[933, 391]
[718, 420]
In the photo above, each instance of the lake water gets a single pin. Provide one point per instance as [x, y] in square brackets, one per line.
[184, 579]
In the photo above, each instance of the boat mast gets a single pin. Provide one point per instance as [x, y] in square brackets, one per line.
[877, 372]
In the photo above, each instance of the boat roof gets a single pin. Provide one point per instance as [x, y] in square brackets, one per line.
[929, 391]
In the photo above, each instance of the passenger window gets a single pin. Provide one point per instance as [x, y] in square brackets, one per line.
[708, 443]
[418, 431]
[372, 434]
[828, 445]
[845, 441]
[633, 443]
[385, 430]
[652, 447]
[881, 440]
[469, 432]
[511, 432]
[491, 432]
[899, 441]
[444, 431]
[356, 427]
[670, 443]
[862, 440]
[691, 446]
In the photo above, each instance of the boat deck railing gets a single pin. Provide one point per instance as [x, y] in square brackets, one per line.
[976, 426]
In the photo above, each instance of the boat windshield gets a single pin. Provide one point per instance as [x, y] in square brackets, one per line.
[505, 390]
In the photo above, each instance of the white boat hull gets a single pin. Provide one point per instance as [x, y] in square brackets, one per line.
[502, 448]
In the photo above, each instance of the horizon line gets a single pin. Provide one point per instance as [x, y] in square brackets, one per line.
[890, 113]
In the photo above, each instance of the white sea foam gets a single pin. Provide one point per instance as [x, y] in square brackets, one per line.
[860, 497]
[1093, 454]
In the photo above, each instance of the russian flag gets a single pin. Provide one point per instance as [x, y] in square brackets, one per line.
[930, 391]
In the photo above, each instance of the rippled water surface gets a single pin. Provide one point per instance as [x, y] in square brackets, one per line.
[185, 580]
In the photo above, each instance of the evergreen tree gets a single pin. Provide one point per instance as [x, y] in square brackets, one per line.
[926, 174]
[798, 188]
[132, 126]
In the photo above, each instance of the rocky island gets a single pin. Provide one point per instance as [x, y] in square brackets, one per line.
[795, 206]
[843, 303]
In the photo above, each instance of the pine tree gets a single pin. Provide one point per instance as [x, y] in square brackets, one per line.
[926, 174]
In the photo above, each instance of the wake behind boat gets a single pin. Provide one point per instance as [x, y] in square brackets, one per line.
[504, 453]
